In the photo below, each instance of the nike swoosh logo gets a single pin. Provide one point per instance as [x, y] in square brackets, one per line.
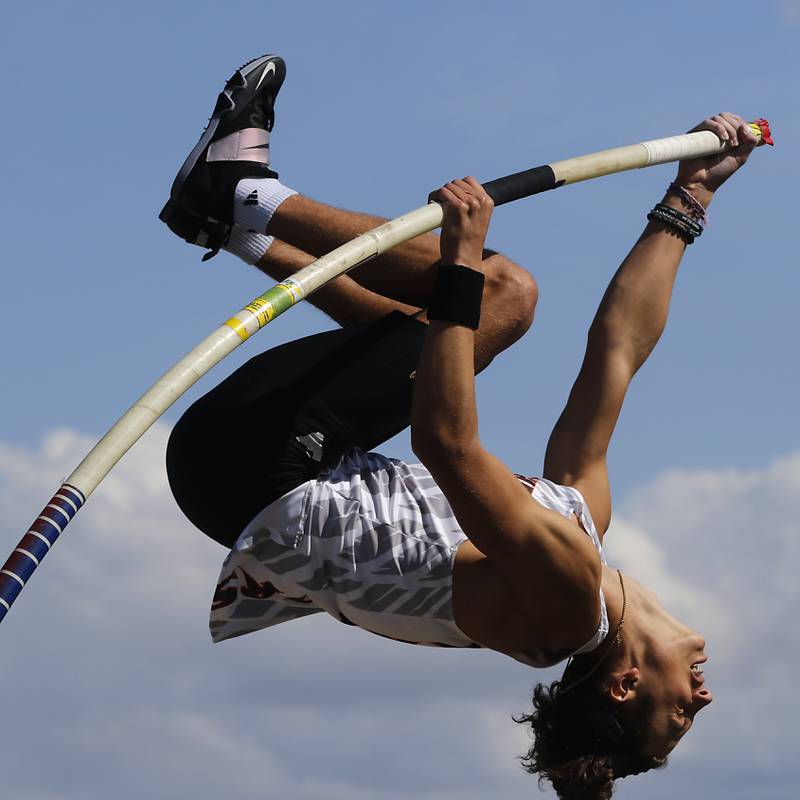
[268, 70]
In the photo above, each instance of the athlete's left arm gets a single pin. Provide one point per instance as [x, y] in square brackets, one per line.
[541, 553]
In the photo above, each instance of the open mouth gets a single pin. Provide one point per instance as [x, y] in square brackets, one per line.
[697, 672]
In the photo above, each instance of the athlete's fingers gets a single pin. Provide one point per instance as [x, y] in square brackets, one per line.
[462, 190]
[445, 197]
[479, 190]
[716, 125]
[747, 142]
[466, 194]
[730, 126]
[472, 193]
[734, 122]
[450, 198]
[734, 119]
[708, 124]
[746, 134]
[744, 137]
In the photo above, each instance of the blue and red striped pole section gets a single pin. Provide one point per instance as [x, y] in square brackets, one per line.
[36, 543]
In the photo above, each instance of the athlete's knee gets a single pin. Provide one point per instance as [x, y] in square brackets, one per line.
[512, 290]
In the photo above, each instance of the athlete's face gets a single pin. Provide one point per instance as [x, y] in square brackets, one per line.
[674, 683]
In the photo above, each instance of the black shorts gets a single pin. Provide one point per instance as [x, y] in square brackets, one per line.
[288, 413]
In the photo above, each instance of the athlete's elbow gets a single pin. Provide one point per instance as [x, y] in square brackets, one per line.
[430, 446]
[440, 448]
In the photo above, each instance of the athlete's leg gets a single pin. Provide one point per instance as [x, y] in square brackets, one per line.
[225, 181]
[286, 413]
[628, 324]
[342, 299]
[404, 275]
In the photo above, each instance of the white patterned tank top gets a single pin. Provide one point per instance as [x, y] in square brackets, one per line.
[372, 542]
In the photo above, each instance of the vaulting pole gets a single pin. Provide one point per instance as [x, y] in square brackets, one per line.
[72, 494]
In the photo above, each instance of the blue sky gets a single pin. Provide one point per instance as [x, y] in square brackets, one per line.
[382, 103]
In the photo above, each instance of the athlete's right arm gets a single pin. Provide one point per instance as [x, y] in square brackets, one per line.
[542, 554]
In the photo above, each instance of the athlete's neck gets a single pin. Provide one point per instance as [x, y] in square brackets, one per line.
[646, 620]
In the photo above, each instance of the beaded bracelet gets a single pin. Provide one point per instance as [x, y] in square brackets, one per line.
[688, 228]
[695, 228]
[696, 211]
[680, 226]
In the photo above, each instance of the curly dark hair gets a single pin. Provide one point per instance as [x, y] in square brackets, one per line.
[580, 744]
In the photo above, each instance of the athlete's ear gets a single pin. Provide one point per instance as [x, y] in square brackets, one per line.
[622, 685]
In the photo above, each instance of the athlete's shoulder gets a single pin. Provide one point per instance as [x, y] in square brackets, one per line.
[490, 611]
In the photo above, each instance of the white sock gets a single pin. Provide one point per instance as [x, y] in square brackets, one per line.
[255, 201]
[248, 245]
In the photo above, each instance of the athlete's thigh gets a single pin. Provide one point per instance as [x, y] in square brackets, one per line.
[235, 450]
[368, 391]
[576, 452]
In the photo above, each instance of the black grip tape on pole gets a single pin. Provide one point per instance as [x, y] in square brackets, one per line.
[521, 184]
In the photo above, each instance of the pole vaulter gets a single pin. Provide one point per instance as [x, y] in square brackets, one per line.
[73, 493]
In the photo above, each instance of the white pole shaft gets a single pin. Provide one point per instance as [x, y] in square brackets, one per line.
[264, 308]
[153, 403]
[645, 154]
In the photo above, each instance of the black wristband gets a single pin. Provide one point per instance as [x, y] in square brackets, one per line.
[456, 296]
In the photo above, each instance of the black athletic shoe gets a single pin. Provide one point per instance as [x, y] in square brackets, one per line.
[204, 233]
[204, 188]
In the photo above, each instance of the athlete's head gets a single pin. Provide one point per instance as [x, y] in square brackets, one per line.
[638, 701]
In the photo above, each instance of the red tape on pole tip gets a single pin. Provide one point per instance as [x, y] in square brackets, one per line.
[766, 133]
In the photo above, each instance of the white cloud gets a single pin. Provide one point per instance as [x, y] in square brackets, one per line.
[721, 548]
[116, 680]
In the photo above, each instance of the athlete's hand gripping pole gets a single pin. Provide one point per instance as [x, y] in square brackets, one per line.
[72, 494]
